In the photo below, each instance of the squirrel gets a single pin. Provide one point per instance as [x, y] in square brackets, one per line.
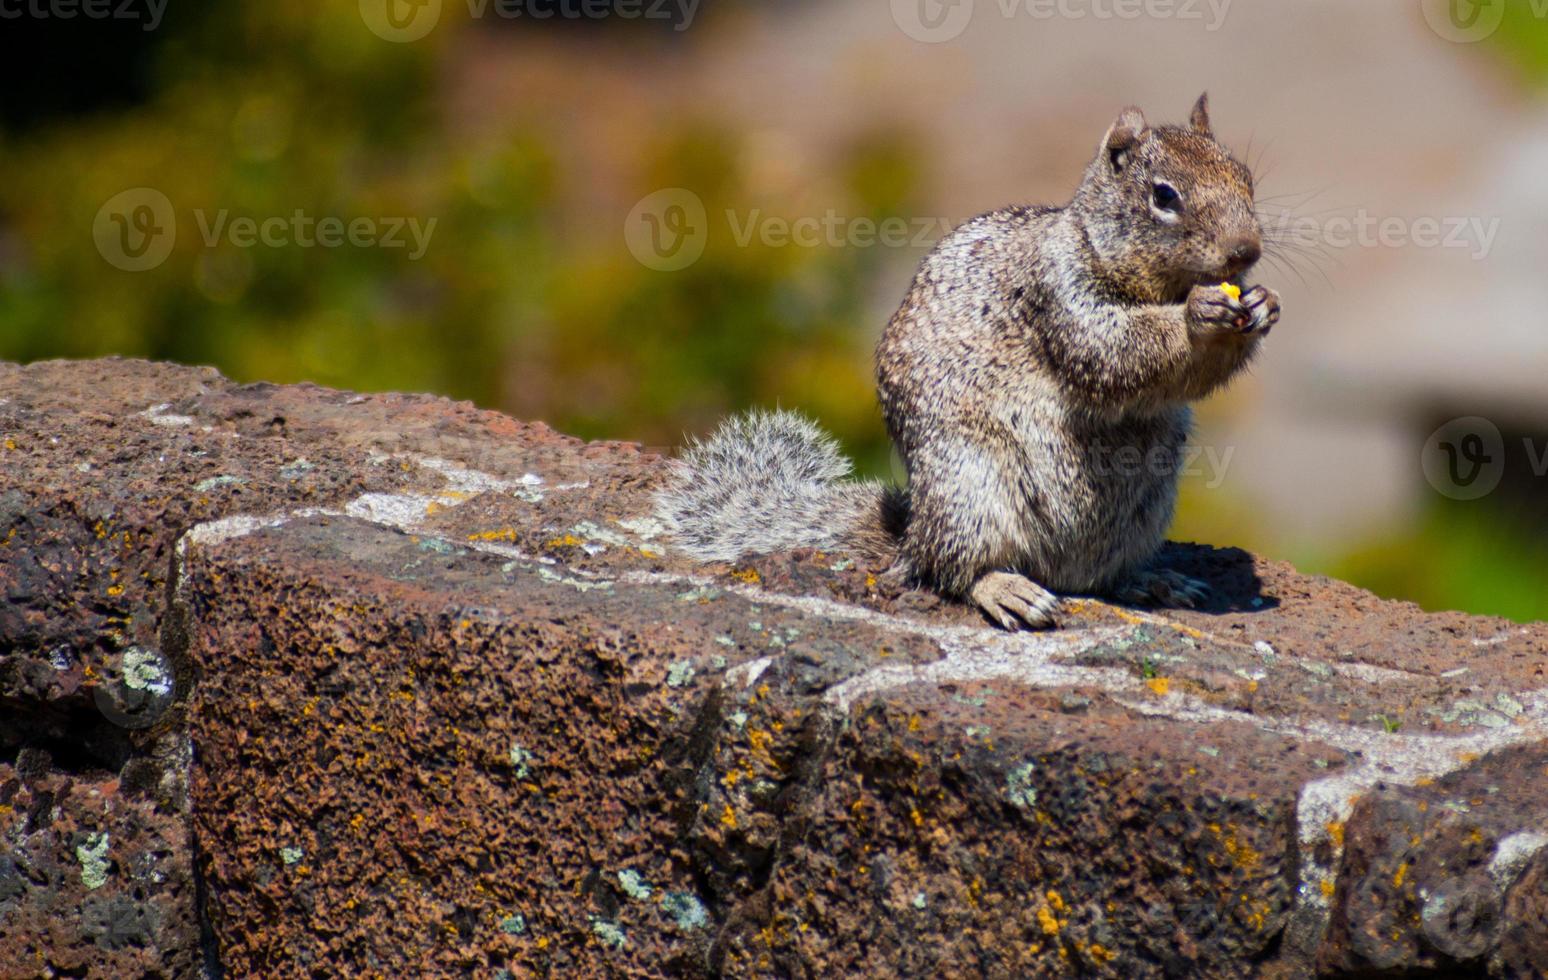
[1036, 382]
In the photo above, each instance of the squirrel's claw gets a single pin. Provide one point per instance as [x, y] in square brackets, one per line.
[1163, 587]
[1262, 307]
[1010, 600]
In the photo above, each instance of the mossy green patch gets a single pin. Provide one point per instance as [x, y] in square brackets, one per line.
[633, 885]
[1019, 788]
[94, 861]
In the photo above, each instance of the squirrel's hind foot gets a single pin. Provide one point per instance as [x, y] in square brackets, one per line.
[1011, 600]
[1162, 587]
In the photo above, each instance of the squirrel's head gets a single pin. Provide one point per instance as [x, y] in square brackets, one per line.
[1168, 208]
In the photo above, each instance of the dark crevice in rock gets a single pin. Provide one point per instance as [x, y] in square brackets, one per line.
[209, 946]
[817, 740]
[175, 626]
[74, 739]
[688, 782]
[754, 909]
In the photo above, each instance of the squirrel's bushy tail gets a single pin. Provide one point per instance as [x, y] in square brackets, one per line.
[771, 481]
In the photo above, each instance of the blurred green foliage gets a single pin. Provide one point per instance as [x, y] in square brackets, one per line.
[271, 108]
[1522, 38]
[266, 110]
[1460, 555]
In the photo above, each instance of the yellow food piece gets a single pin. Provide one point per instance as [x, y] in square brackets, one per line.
[1231, 289]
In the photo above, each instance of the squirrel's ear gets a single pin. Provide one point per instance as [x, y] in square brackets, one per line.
[1199, 120]
[1124, 135]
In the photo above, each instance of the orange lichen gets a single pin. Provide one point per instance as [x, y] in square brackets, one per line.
[1256, 917]
[1241, 853]
[975, 889]
[760, 740]
[502, 534]
[1046, 919]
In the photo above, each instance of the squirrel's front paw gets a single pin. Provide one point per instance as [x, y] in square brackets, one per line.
[1216, 310]
[1262, 306]
[1010, 599]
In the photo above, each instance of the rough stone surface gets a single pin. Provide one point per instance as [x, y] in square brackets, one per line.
[296, 682]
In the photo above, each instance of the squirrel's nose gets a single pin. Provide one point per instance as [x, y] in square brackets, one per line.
[1243, 253]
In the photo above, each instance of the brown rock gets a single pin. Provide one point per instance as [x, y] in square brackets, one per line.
[454, 708]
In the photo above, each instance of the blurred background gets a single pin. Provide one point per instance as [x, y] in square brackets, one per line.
[631, 217]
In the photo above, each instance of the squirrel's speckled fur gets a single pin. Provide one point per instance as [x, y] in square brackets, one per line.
[768, 481]
[1035, 381]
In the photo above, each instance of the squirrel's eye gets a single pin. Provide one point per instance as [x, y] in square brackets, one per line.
[1165, 196]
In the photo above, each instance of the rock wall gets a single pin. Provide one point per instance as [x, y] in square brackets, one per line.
[298, 682]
